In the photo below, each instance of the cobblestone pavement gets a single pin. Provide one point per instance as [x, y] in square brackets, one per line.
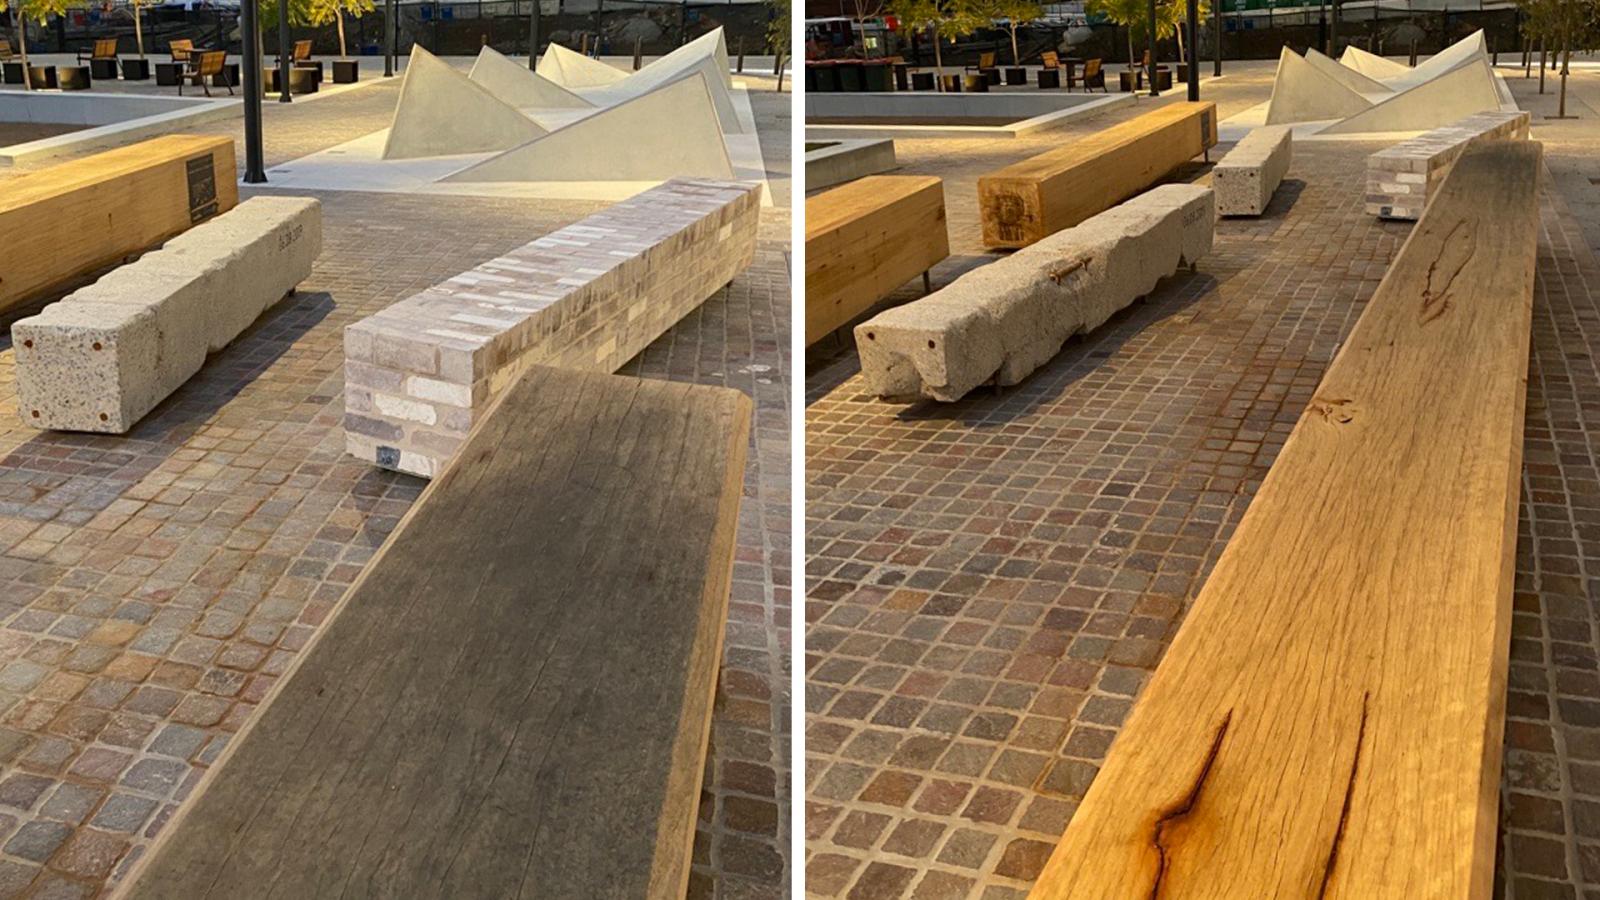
[153, 586]
[990, 583]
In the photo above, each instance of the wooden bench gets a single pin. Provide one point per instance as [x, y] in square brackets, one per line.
[1400, 178]
[64, 222]
[1027, 200]
[1247, 176]
[1328, 721]
[864, 240]
[514, 698]
[999, 322]
[102, 358]
[589, 296]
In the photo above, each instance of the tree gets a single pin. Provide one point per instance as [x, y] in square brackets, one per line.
[1566, 25]
[1172, 15]
[1134, 15]
[21, 12]
[863, 11]
[945, 18]
[321, 12]
[1016, 13]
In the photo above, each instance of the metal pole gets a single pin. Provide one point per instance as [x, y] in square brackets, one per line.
[1151, 74]
[1193, 25]
[390, 10]
[283, 51]
[254, 158]
[1216, 28]
[533, 34]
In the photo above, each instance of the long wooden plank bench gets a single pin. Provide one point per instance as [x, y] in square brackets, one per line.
[1328, 720]
[61, 223]
[999, 322]
[1027, 200]
[866, 239]
[514, 699]
[1401, 178]
[104, 356]
[589, 296]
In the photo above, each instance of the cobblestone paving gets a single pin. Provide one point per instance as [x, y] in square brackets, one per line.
[153, 586]
[990, 583]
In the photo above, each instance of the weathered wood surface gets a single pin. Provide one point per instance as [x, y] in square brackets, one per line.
[514, 699]
[66, 221]
[866, 239]
[1027, 200]
[1328, 720]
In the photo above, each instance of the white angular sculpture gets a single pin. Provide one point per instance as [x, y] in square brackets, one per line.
[573, 70]
[1345, 75]
[107, 354]
[1470, 47]
[1303, 93]
[1469, 88]
[669, 132]
[442, 112]
[707, 53]
[1001, 321]
[1371, 65]
[516, 85]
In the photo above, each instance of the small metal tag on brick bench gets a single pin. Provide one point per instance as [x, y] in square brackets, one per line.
[202, 188]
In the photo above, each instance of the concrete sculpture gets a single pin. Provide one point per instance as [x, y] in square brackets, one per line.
[1462, 91]
[707, 53]
[442, 112]
[1303, 93]
[513, 84]
[1370, 64]
[573, 70]
[1001, 321]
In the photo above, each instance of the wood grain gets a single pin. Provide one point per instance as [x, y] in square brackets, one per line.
[514, 698]
[1041, 195]
[1328, 720]
[69, 220]
[864, 240]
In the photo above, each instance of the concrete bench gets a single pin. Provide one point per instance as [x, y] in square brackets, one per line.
[514, 699]
[1401, 178]
[104, 356]
[1027, 200]
[864, 240]
[589, 296]
[999, 322]
[1245, 178]
[67, 221]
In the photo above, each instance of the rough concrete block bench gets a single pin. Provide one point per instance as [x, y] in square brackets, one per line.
[864, 240]
[589, 296]
[104, 356]
[999, 322]
[514, 698]
[1401, 178]
[63, 223]
[1245, 178]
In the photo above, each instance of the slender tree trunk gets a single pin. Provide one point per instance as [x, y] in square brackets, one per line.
[1541, 64]
[1016, 58]
[938, 61]
[22, 49]
[1130, 46]
[338, 16]
[1179, 33]
[1566, 60]
[138, 28]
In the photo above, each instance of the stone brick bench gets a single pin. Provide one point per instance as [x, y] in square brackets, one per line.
[1245, 178]
[589, 296]
[514, 698]
[998, 323]
[104, 356]
[1401, 178]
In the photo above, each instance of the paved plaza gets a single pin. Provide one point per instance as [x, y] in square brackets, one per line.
[990, 583]
[153, 586]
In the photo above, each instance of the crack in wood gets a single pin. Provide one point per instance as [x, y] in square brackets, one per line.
[1185, 806]
[1454, 253]
[1349, 797]
[1338, 410]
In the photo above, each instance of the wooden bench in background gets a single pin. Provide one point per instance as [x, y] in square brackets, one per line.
[514, 698]
[1027, 200]
[64, 222]
[864, 240]
[1328, 721]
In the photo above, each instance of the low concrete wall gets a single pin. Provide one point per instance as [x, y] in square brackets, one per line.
[842, 161]
[1246, 178]
[113, 119]
[1034, 112]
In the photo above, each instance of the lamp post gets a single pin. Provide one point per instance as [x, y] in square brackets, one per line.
[1193, 25]
[533, 35]
[283, 51]
[1216, 29]
[389, 29]
[254, 165]
[1151, 65]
